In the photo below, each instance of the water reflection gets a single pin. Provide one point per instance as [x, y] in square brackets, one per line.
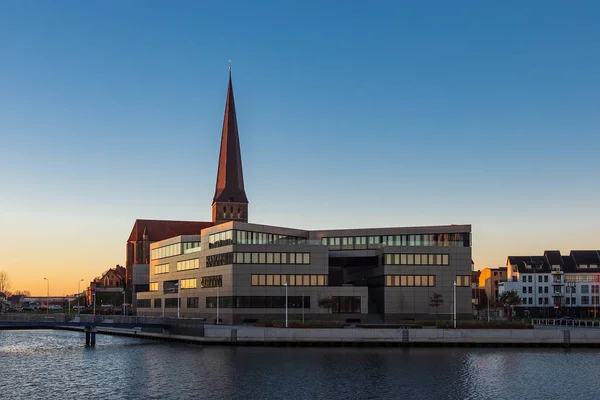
[55, 364]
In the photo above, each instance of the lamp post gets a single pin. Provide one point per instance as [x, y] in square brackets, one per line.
[124, 303]
[488, 297]
[47, 294]
[302, 308]
[78, 294]
[94, 296]
[217, 322]
[286, 303]
[178, 284]
[454, 304]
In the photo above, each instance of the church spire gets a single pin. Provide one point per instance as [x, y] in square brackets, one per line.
[230, 201]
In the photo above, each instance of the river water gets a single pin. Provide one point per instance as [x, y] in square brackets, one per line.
[56, 365]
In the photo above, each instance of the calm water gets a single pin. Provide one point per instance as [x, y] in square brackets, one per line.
[55, 364]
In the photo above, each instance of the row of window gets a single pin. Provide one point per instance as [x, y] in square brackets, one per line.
[417, 259]
[257, 258]
[585, 300]
[582, 278]
[292, 280]
[190, 247]
[235, 236]
[258, 302]
[188, 264]
[410, 280]
[374, 242]
[153, 286]
[166, 251]
[161, 269]
[188, 283]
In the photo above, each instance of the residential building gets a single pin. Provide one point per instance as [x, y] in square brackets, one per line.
[111, 281]
[245, 271]
[489, 280]
[555, 285]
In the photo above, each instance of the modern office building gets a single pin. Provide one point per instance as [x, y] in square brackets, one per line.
[245, 272]
[555, 285]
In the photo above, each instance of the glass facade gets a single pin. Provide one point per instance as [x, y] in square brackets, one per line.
[257, 258]
[257, 302]
[292, 280]
[248, 237]
[416, 259]
[374, 242]
[410, 280]
[188, 264]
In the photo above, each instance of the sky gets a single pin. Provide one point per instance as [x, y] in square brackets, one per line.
[351, 114]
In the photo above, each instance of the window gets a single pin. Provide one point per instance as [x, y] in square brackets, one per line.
[143, 303]
[166, 251]
[220, 259]
[161, 269]
[192, 302]
[585, 289]
[410, 280]
[546, 278]
[188, 283]
[530, 278]
[524, 279]
[211, 281]
[540, 279]
[345, 304]
[157, 303]
[463, 280]
[259, 258]
[153, 286]
[188, 264]
[171, 302]
[258, 302]
[292, 280]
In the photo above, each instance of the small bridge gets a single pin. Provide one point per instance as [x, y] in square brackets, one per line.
[91, 323]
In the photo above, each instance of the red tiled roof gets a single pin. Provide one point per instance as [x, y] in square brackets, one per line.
[161, 230]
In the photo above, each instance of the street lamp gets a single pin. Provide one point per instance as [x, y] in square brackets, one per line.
[47, 294]
[488, 297]
[454, 304]
[217, 322]
[286, 303]
[78, 294]
[124, 303]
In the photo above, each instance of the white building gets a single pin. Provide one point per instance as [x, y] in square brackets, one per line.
[554, 285]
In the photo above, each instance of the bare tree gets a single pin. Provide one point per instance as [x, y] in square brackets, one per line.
[4, 282]
[436, 300]
[25, 293]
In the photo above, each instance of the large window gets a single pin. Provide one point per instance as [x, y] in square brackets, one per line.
[188, 283]
[171, 302]
[346, 304]
[166, 251]
[143, 303]
[219, 259]
[211, 281]
[373, 242]
[157, 303]
[153, 286]
[258, 302]
[410, 280]
[271, 258]
[188, 264]
[192, 302]
[248, 237]
[416, 259]
[191, 247]
[161, 269]
[465, 280]
[292, 280]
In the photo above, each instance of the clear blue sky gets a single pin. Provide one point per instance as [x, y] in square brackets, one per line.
[351, 114]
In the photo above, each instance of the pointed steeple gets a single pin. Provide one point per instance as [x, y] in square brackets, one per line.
[230, 177]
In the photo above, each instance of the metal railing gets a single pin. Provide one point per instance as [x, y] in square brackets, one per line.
[581, 323]
[101, 319]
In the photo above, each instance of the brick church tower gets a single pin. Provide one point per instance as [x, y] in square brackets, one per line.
[230, 202]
